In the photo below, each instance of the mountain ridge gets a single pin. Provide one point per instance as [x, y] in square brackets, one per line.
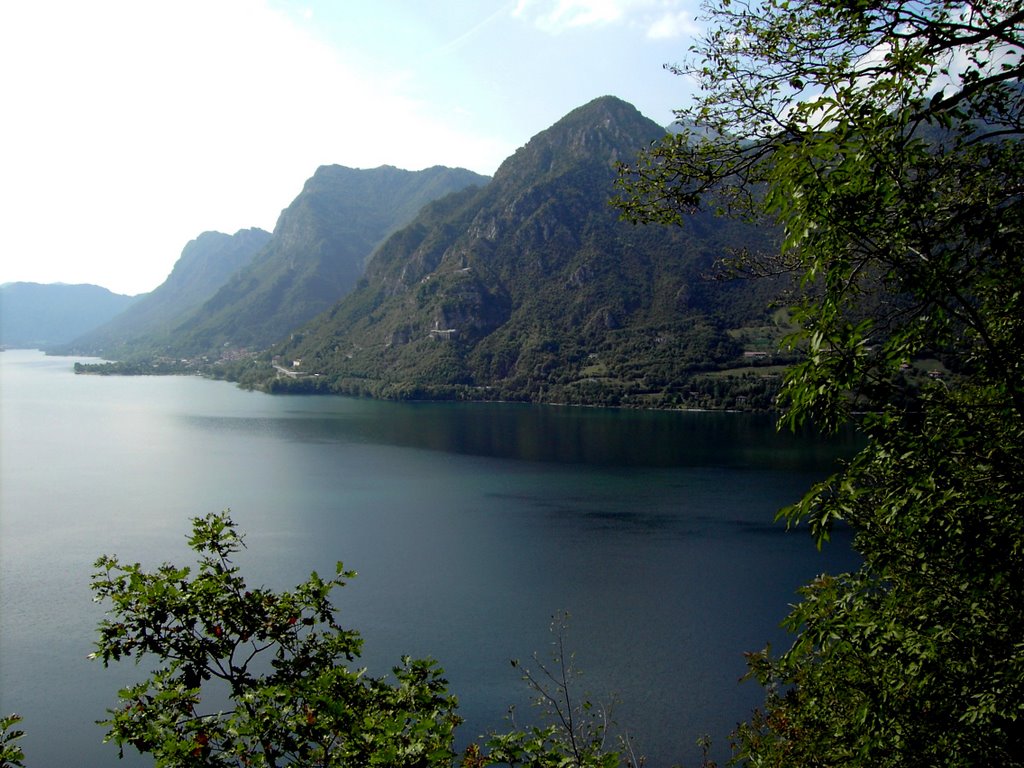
[230, 294]
[205, 264]
[43, 315]
[315, 255]
[533, 288]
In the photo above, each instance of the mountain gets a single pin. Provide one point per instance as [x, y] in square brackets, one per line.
[34, 315]
[204, 266]
[317, 253]
[532, 288]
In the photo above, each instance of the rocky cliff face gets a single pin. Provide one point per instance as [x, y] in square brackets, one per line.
[546, 204]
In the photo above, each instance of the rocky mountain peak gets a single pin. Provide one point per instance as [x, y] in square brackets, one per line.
[603, 132]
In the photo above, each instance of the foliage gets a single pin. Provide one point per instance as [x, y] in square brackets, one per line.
[575, 733]
[11, 755]
[884, 138]
[257, 678]
[916, 658]
[160, 367]
[250, 677]
[575, 730]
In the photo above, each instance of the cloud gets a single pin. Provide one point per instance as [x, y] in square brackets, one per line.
[474, 30]
[674, 25]
[554, 16]
[663, 19]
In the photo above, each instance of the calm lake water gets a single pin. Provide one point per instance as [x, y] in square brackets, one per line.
[470, 526]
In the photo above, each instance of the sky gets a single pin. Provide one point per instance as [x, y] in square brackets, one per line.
[129, 127]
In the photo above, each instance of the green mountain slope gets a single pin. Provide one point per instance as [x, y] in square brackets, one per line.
[317, 253]
[145, 327]
[34, 315]
[532, 288]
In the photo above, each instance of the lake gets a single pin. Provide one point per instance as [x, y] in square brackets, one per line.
[470, 525]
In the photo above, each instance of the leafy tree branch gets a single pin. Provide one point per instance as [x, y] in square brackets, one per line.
[884, 138]
[250, 677]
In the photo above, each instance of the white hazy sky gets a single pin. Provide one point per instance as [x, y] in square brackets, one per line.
[128, 127]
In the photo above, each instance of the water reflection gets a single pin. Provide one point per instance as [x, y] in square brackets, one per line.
[549, 434]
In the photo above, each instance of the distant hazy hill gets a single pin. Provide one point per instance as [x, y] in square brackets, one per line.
[316, 254]
[34, 315]
[533, 288]
[204, 266]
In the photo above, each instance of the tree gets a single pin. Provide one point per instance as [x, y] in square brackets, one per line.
[882, 137]
[575, 731]
[11, 754]
[250, 677]
[916, 658]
